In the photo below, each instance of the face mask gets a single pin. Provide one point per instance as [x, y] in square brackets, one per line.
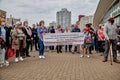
[3, 23]
[112, 21]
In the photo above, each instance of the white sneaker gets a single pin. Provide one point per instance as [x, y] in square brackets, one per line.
[1, 65]
[16, 60]
[43, 57]
[21, 59]
[88, 56]
[118, 54]
[6, 62]
[81, 56]
[40, 57]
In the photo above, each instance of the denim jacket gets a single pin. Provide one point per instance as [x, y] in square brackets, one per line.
[39, 32]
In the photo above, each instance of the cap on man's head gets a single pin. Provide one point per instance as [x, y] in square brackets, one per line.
[111, 19]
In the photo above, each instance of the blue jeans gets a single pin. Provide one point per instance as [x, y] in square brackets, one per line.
[41, 49]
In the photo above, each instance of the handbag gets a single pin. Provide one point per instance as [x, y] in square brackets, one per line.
[10, 53]
[88, 40]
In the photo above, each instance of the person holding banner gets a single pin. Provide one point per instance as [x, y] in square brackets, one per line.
[41, 30]
[52, 30]
[76, 29]
[67, 46]
[59, 47]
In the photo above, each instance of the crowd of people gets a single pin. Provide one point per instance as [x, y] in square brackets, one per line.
[22, 39]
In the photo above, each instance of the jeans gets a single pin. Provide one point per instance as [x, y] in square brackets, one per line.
[107, 49]
[41, 49]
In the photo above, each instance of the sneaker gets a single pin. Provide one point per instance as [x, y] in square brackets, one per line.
[73, 52]
[104, 60]
[116, 61]
[88, 56]
[1, 65]
[118, 54]
[40, 57]
[16, 60]
[78, 52]
[81, 56]
[6, 62]
[43, 57]
[21, 59]
[28, 56]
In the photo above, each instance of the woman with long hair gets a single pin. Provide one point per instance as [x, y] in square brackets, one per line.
[28, 33]
[41, 30]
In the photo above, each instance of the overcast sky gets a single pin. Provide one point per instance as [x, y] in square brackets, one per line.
[36, 10]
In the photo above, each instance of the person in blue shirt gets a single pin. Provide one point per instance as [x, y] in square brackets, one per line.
[41, 30]
[76, 48]
[5, 34]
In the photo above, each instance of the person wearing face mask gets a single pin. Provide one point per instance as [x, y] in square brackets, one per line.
[41, 30]
[28, 34]
[110, 32]
[5, 34]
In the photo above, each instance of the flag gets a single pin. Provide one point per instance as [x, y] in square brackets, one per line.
[12, 22]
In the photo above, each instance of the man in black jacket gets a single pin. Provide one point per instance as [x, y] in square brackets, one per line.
[35, 37]
[27, 31]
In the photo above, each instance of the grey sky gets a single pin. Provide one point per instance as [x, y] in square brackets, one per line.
[36, 10]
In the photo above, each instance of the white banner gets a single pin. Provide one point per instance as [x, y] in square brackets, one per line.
[63, 38]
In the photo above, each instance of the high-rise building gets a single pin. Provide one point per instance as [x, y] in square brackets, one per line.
[53, 24]
[85, 20]
[64, 18]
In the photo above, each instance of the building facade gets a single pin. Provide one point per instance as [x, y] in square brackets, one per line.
[111, 9]
[2, 13]
[2, 16]
[9, 21]
[64, 18]
[85, 20]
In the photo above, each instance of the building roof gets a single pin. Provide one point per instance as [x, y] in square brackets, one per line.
[102, 9]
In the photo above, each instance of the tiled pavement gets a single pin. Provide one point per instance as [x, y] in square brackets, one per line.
[65, 66]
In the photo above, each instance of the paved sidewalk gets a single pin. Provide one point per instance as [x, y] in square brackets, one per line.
[65, 66]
